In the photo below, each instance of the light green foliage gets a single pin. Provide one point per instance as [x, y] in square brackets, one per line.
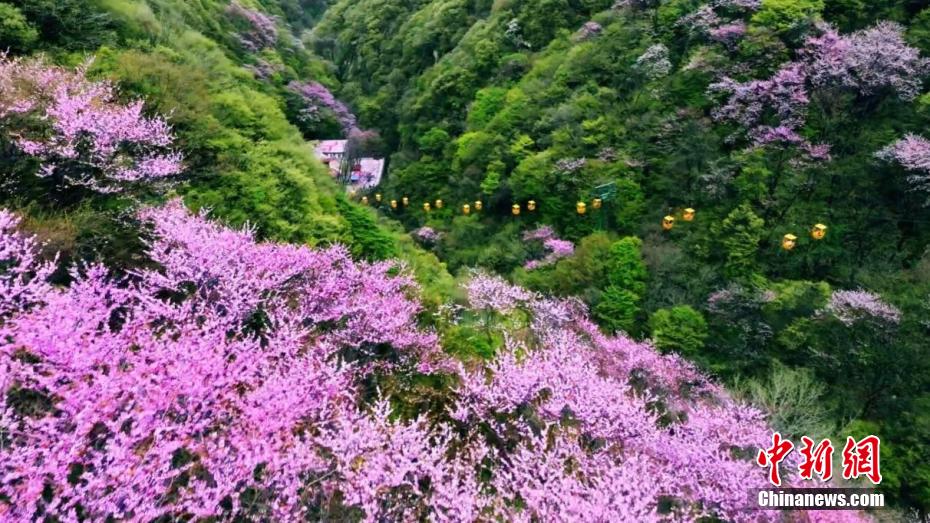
[626, 268]
[488, 102]
[794, 400]
[16, 33]
[680, 329]
[785, 15]
[492, 180]
[739, 234]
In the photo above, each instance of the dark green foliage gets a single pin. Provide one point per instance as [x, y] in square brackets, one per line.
[617, 309]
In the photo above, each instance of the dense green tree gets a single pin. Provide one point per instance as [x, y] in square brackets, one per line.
[681, 329]
[16, 33]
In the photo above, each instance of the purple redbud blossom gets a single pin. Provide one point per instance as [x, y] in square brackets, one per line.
[85, 136]
[232, 366]
[867, 61]
[852, 306]
[263, 32]
[318, 97]
[913, 153]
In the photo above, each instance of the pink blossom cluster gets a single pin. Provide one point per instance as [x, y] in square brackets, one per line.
[79, 130]
[740, 5]
[23, 276]
[319, 98]
[561, 383]
[852, 306]
[489, 292]
[541, 233]
[263, 32]
[729, 33]
[867, 61]
[707, 21]
[570, 165]
[913, 153]
[701, 20]
[555, 248]
[264, 69]
[589, 30]
[427, 235]
[233, 381]
[233, 365]
[771, 110]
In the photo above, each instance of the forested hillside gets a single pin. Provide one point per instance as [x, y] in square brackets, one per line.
[767, 117]
[223, 75]
[616, 240]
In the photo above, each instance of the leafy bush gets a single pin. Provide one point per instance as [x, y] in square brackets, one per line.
[681, 329]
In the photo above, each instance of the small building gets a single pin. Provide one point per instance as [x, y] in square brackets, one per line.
[331, 153]
[365, 172]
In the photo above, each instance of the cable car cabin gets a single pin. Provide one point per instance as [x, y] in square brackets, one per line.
[688, 214]
[819, 231]
[789, 241]
[668, 223]
[581, 208]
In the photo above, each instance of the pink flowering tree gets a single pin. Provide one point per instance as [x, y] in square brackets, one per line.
[317, 101]
[867, 61]
[555, 249]
[261, 30]
[229, 368]
[850, 307]
[22, 277]
[427, 236]
[234, 380]
[913, 153]
[774, 110]
[79, 131]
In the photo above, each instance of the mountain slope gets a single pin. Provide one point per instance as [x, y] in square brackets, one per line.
[767, 117]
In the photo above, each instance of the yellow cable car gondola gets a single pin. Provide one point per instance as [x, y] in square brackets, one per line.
[478, 205]
[405, 201]
[378, 197]
[789, 241]
[439, 204]
[531, 205]
[426, 207]
[688, 214]
[668, 223]
[581, 208]
[819, 231]
[364, 200]
[596, 203]
[393, 204]
[515, 209]
[466, 209]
